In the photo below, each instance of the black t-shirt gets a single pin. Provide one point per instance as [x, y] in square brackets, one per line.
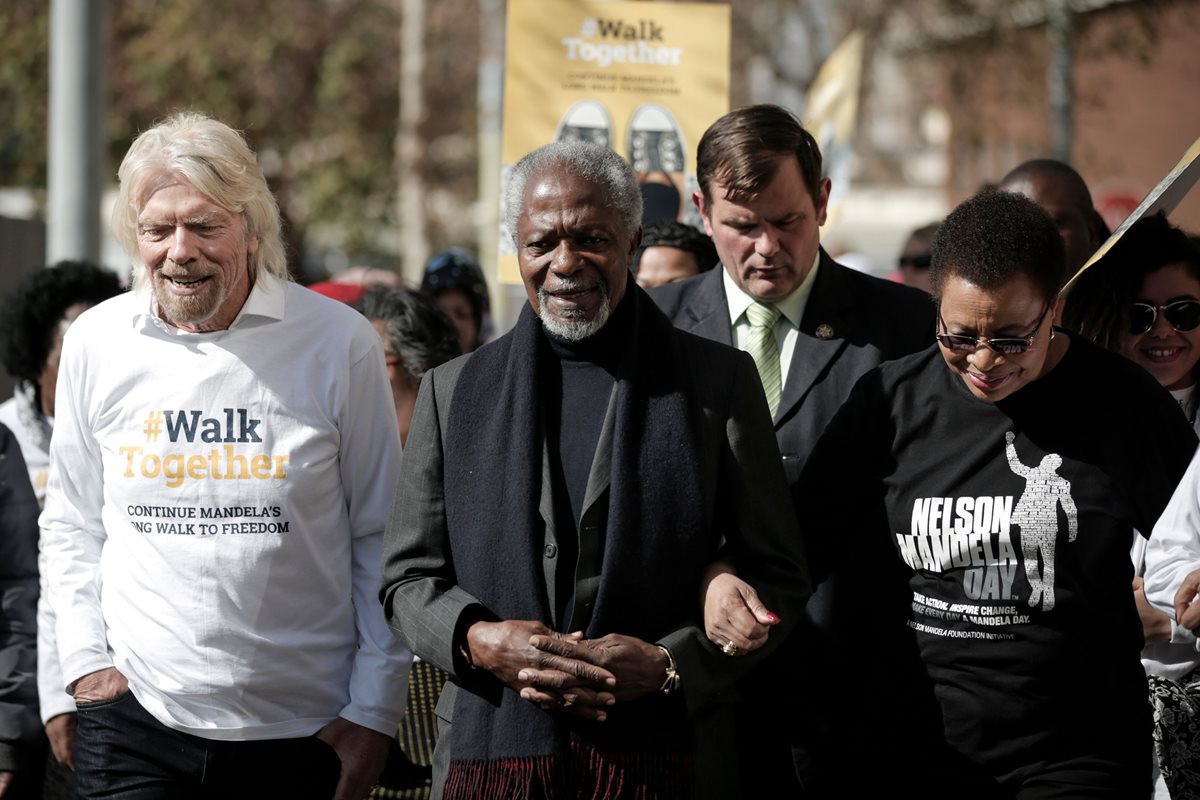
[1012, 523]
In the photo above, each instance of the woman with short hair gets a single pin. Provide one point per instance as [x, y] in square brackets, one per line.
[1003, 471]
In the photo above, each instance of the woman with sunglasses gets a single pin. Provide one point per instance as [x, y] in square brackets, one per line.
[1002, 471]
[1142, 299]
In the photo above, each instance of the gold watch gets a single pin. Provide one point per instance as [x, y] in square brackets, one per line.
[672, 681]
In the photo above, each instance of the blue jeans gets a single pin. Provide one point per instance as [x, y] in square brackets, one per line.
[121, 751]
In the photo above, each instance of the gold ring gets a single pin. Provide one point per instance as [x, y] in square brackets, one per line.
[729, 648]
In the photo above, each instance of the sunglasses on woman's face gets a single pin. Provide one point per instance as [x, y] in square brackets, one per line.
[1004, 345]
[916, 262]
[1182, 315]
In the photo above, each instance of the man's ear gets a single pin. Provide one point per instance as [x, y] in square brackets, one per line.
[634, 242]
[698, 201]
[822, 200]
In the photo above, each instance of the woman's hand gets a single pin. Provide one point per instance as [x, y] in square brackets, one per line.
[735, 620]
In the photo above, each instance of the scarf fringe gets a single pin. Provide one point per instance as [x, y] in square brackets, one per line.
[585, 773]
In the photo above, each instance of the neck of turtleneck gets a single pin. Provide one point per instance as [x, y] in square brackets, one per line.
[577, 381]
[602, 348]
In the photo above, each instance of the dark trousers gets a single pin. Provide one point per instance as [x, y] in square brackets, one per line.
[121, 751]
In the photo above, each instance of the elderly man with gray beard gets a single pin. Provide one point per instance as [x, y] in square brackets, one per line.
[564, 490]
[220, 476]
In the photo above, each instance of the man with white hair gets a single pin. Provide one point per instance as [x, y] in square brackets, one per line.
[564, 490]
[221, 469]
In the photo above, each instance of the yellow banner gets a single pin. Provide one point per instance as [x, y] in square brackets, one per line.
[831, 116]
[644, 78]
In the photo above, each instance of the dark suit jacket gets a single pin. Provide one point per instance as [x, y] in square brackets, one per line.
[20, 729]
[863, 321]
[744, 490]
[872, 321]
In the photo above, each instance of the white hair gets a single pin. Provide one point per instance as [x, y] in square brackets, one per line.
[594, 163]
[215, 159]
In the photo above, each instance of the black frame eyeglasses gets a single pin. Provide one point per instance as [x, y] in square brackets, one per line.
[916, 262]
[1004, 345]
[1182, 315]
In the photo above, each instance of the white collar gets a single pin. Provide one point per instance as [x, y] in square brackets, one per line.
[266, 299]
[790, 307]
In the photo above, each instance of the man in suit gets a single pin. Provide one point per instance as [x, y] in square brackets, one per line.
[814, 328]
[564, 490]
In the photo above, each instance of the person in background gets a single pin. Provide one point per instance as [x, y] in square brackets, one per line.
[34, 320]
[1063, 194]
[349, 285]
[416, 337]
[1167, 600]
[1142, 299]
[913, 264]
[217, 498]
[671, 251]
[22, 744]
[454, 280]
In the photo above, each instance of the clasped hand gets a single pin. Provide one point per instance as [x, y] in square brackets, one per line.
[735, 619]
[563, 671]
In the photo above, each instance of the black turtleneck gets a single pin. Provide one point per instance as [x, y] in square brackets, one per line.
[577, 382]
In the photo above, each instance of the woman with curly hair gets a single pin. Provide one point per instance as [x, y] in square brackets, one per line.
[1142, 299]
[35, 317]
[33, 320]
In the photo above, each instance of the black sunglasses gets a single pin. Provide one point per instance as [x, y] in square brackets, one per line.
[916, 262]
[1182, 315]
[1005, 345]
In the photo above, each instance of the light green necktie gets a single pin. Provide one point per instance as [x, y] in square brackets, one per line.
[762, 347]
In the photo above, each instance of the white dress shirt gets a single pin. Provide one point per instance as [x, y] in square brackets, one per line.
[787, 327]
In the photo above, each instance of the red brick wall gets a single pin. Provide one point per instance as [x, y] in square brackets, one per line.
[1137, 101]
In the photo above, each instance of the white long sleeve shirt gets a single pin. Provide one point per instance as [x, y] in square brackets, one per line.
[215, 512]
[1173, 551]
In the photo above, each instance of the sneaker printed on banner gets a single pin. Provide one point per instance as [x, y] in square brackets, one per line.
[585, 121]
[656, 151]
[655, 141]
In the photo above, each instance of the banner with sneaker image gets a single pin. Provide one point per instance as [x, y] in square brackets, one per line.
[644, 78]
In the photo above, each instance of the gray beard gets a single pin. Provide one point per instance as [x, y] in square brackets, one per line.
[575, 329]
